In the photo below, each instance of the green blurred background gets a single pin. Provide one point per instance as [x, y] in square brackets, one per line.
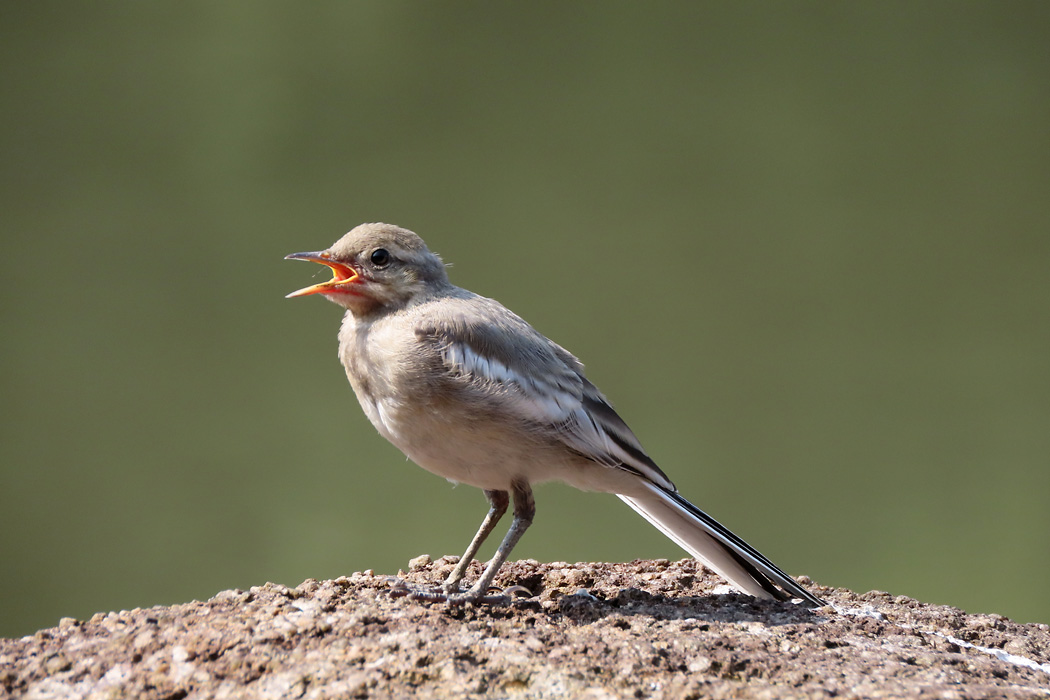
[804, 248]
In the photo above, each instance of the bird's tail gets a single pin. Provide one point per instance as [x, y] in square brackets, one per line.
[712, 543]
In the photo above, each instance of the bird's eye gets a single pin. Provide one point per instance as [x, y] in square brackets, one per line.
[380, 257]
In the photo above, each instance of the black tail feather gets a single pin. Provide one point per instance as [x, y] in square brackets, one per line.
[774, 581]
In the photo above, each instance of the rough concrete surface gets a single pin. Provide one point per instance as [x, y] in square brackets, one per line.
[645, 629]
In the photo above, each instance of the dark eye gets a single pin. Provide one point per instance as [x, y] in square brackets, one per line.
[380, 257]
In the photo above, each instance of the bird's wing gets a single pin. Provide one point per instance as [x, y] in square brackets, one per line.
[503, 361]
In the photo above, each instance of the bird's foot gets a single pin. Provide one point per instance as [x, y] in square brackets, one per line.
[454, 596]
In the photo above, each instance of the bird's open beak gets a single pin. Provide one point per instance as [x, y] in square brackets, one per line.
[342, 274]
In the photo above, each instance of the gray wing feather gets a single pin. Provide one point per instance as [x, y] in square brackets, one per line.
[504, 361]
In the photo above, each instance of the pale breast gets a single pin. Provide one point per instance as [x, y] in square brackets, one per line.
[389, 371]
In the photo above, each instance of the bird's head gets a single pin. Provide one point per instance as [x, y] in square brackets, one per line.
[376, 266]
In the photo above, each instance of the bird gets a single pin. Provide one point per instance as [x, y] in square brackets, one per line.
[469, 391]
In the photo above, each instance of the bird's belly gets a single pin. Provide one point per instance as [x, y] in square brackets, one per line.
[478, 454]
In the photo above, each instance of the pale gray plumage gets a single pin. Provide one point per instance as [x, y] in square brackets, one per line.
[471, 392]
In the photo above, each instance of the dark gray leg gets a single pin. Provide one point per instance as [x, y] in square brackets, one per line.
[498, 502]
[524, 512]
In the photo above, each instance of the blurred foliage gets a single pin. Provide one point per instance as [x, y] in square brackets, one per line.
[802, 246]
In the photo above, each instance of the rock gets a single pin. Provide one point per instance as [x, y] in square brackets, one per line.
[642, 629]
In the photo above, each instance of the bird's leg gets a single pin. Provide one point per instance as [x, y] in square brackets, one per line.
[524, 511]
[498, 502]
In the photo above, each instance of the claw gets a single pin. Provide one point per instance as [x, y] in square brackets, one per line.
[517, 591]
[474, 599]
[400, 589]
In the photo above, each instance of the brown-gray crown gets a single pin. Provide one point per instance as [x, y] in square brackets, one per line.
[403, 247]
